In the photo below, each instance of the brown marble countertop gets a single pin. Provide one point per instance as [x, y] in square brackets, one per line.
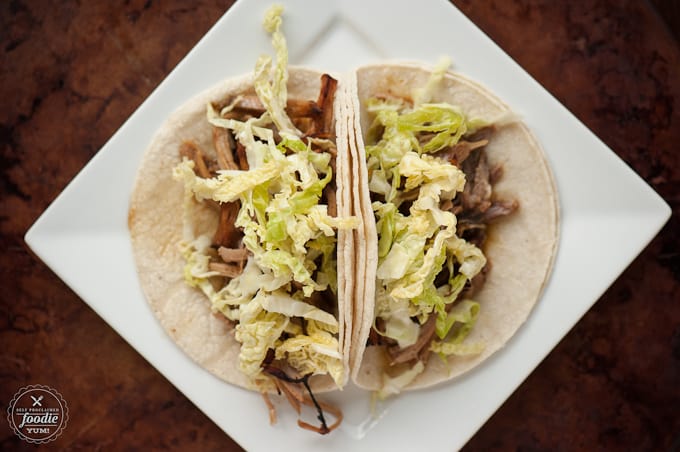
[70, 74]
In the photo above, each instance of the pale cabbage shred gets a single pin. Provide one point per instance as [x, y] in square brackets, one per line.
[413, 248]
[285, 229]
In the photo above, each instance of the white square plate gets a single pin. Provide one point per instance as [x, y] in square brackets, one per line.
[608, 214]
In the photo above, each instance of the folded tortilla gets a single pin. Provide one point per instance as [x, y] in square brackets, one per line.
[156, 229]
[521, 247]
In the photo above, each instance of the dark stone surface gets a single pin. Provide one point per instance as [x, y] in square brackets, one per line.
[72, 72]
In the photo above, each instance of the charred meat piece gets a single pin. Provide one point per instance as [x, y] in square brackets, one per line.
[476, 284]
[232, 255]
[242, 158]
[309, 399]
[225, 146]
[413, 351]
[323, 123]
[313, 118]
[499, 208]
[329, 198]
[227, 270]
[190, 150]
[477, 192]
[227, 234]
[460, 151]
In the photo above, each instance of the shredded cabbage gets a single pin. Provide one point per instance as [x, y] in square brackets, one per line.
[258, 331]
[283, 303]
[290, 236]
[316, 352]
[415, 246]
[270, 83]
[424, 94]
[394, 385]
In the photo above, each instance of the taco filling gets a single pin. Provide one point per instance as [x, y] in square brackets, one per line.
[431, 189]
[270, 266]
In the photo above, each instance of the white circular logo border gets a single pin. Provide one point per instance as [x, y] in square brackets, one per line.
[62, 404]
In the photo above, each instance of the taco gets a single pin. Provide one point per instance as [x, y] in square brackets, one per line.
[460, 225]
[241, 230]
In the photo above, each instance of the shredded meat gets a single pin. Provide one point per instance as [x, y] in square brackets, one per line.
[476, 208]
[225, 146]
[460, 151]
[302, 108]
[232, 255]
[242, 158]
[499, 209]
[410, 195]
[306, 399]
[324, 300]
[323, 123]
[303, 123]
[373, 337]
[323, 429]
[250, 104]
[329, 195]
[482, 134]
[477, 282]
[227, 234]
[471, 228]
[495, 173]
[292, 393]
[190, 150]
[477, 192]
[271, 408]
[413, 351]
[224, 269]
